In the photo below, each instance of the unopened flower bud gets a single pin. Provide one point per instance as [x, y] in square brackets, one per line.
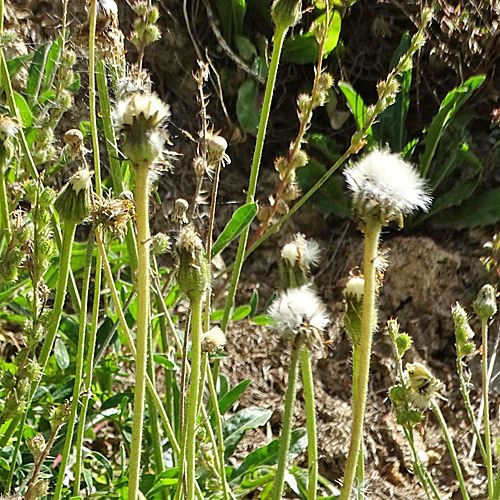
[485, 305]
[286, 13]
[178, 215]
[58, 416]
[159, 244]
[193, 274]
[463, 332]
[73, 203]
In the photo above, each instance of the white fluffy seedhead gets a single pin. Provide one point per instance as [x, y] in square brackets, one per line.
[386, 187]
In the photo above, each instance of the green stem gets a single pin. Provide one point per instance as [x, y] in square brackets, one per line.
[468, 407]
[286, 427]
[143, 236]
[279, 37]
[4, 205]
[486, 415]
[312, 444]
[79, 370]
[89, 370]
[368, 325]
[192, 397]
[113, 155]
[451, 449]
[360, 468]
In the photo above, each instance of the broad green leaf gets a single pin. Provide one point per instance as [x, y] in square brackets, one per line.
[50, 66]
[248, 106]
[268, 455]
[449, 107]
[35, 73]
[235, 427]
[239, 221]
[480, 211]
[245, 47]
[74, 86]
[356, 105]
[61, 354]
[304, 48]
[262, 319]
[105, 462]
[241, 313]
[161, 359]
[330, 198]
[231, 14]
[228, 400]
[298, 479]
[24, 110]
[161, 485]
[217, 315]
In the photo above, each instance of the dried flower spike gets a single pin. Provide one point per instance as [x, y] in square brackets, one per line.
[385, 188]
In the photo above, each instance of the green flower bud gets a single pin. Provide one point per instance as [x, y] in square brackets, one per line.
[160, 244]
[485, 305]
[463, 332]
[152, 34]
[42, 218]
[58, 416]
[30, 370]
[15, 256]
[73, 203]
[46, 198]
[140, 8]
[64, 100]
[286, 13]
[152, 14]
[68, 59]
[397, 396]
[45, 249]
[34, 336]
[21, 235]
[31, 188]
[8, 272]
[193, 274]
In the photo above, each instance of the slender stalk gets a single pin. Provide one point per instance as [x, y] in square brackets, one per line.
[279, 37]
[486, 415]
[360, 468]
[88, 374]
[4, 204]
[368, 324]
[286, 426]
[192, 397]
[468, 407]
[143, 236]
[312, 440]
[78, 370]
[449, 443]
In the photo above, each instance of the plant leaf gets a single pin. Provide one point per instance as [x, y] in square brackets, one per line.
[50, 66]
[24, 110]
[235, 427]
[35, 73]
[228, 400]
[239, 221]
[241, 313]
[304, 48]
[248, 106]
[61, 354]
[356, 105]
[449, 107]
[105, 462]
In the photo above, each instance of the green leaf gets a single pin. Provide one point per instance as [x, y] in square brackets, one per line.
[356, 106]
[331, 197]
[235, 427]
[449, 107]
[241, 313]
[16, 63]
[245, 47]
[74, 86]
[116, 400]
[268, 455]
[248, 106]
[228, 400]
[35, 73]
[105, 462]
[239, 221]
[304, 48]
[231, 14]
[262, 319]
[50, 66]
[254, 303]
[480, 211]
[161, 359]
[61, 354]
[24, 110]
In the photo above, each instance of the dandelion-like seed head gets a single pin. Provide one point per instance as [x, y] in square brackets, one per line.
[213, 340]
[299, 313]
[301, 252]
[139, 118]
[385, 188]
